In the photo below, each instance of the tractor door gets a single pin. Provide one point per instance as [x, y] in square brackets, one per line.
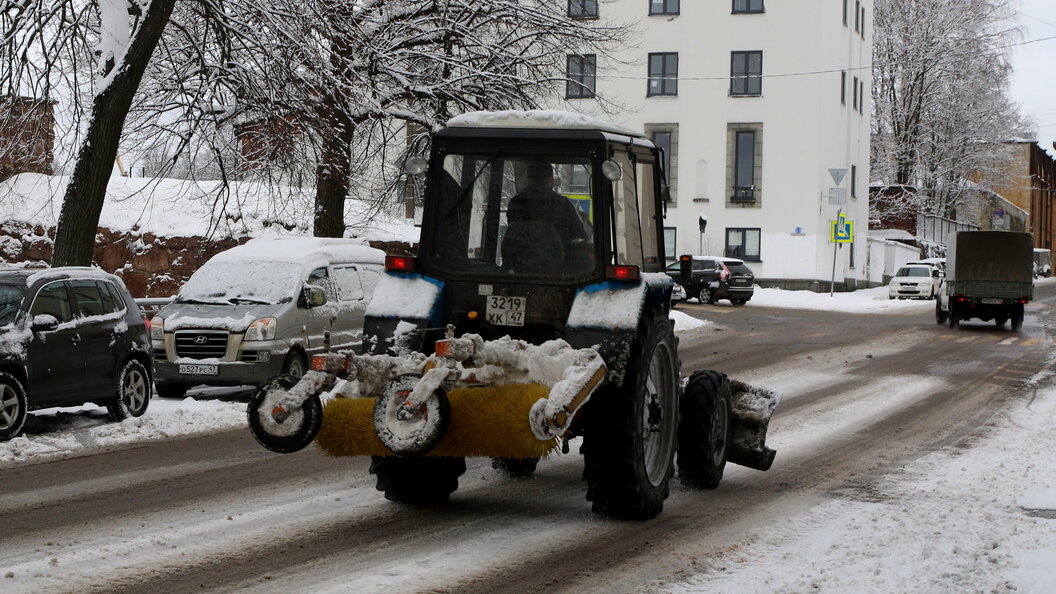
[636, 220]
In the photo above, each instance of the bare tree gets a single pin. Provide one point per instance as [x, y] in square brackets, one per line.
[941, 115]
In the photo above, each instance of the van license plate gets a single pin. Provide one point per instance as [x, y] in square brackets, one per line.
[992, 301]
[199, 369]
[506, 311]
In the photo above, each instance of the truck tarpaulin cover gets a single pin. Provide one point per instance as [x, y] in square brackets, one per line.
[991, 256]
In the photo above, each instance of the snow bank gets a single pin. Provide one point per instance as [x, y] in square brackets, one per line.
[864, 300]
[75, 431]
[173, 207]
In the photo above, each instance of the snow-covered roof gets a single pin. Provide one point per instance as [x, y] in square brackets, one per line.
[69, 271]
[537, 118]
[891, 234]
[303, 249]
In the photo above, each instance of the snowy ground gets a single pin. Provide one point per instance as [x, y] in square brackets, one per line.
[981, 518]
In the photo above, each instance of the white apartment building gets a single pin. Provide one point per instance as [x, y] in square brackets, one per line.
[758, 105]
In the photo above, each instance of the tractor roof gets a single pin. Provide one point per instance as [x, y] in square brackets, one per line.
[538, 119]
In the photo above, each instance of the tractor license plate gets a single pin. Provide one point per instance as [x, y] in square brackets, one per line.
[506, 311]
[992, 301]
[199, 369]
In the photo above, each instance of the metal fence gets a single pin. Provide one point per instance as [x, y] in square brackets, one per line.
[937, 229]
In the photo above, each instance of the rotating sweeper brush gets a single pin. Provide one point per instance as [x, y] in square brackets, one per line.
[504, 398]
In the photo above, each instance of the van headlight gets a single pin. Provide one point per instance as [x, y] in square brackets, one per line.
[157, 328]
[262, 329]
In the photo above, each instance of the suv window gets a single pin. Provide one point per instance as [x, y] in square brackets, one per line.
[10, 300]
[52, 300]
[321, 278]
[738, 268]
[704, 265]
[116, 298]
[89, 301]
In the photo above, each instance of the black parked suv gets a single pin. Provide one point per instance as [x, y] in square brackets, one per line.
[69, 336]
[714, 278]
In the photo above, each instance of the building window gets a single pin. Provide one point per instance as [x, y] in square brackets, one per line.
[670, 236]
[861, 97]
[743, 243]
[861, 29]
[583, 9]
[857, 15]
[854, 181]
[665, 137]
[663, 6]
[843, 87]
[744, 166]
[746, 73]
[747, 6]
[844, 13]
[582, 74]
[854, 88]
[663, 74]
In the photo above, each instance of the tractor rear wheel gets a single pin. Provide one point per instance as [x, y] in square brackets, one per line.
[705, 430]
[515, 468]
[631, 430]
[418, 480]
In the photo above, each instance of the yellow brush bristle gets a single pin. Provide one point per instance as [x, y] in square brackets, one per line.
[486, 421]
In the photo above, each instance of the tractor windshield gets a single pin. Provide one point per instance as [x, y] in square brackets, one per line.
[499, 214]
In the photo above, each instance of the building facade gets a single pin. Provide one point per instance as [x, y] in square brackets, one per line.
[1030, 184]
[762, 107]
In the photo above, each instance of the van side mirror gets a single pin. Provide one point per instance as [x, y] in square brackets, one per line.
[312, 296]
[44, 323]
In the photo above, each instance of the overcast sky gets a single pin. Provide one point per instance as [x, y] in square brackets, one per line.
[1034, 82]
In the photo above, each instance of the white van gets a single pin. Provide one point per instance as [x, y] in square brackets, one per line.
[261, 309]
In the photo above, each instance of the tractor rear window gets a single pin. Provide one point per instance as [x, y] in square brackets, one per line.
[515, 215]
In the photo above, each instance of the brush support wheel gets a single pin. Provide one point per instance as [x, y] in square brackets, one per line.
[277, 428]
[416, 435]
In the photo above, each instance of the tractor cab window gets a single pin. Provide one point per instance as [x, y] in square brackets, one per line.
[625, 213]
[515, 215]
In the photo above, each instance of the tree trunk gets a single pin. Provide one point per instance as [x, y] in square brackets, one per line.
[332, 181]
[83, 201]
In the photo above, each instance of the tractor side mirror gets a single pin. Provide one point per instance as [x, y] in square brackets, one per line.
[312, 296]
[415, 165]
[685, 266]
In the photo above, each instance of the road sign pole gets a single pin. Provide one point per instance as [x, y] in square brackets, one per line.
[835, 244]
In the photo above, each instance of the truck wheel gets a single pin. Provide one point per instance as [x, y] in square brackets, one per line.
[515, 468]
[422, 481]
[940, 315]
[955, 317]
[704, 430]
[13, 406]
[1017, 317]
[631, 430]
[295, 431]
[1000, 321]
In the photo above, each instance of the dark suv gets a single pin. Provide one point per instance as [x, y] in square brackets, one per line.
[714, 278]
[69, 336]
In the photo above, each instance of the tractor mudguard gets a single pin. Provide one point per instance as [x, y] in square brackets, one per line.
[606, 316]
[402, 300]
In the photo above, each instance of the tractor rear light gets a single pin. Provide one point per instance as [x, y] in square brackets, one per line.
[330, 363]
[399, 263]
[472, 315]
[319, 362]
[622, 272]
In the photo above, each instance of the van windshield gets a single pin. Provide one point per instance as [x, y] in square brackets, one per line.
[242, 281]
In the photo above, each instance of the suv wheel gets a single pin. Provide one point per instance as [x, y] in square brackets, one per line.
[13, 406]
[133, 392]
[706, 295]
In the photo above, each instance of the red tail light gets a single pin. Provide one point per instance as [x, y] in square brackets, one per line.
[725, 274]
[1022, 300]
[623, 273]
[400, 263]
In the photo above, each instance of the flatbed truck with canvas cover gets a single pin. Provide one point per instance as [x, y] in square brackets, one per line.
[989, 276]
[536, 312]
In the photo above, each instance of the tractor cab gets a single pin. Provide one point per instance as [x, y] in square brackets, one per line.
[530, 206]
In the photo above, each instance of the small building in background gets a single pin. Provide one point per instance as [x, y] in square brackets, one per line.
[1031, 186]
[27, 136]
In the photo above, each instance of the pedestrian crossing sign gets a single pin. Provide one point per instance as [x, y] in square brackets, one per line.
[841, 230]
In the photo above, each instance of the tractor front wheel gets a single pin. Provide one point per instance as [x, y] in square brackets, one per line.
[631, 431]
[705, 430]
[417, 480]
